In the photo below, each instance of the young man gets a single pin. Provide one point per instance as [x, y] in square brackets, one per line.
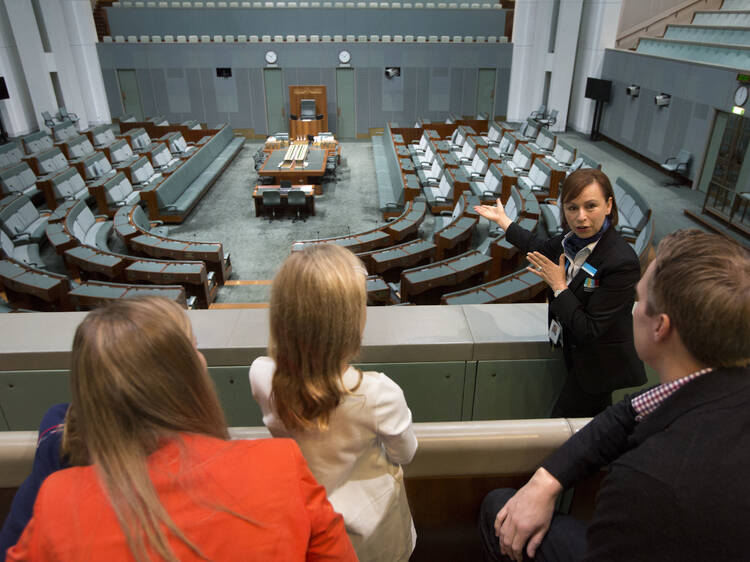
[677, 487]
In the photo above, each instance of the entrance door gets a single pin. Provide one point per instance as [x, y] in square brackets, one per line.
[726, 170]
[345, 125]
[131, 98]
[277, 121]
[486, 92]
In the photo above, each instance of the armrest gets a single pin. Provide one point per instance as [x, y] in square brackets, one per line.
[101, 218]
[489, 193]
[158, 223]
[441, 199]
[446, 213]
[670, 158]
[392, 206]
[550, 201]
[24, 237]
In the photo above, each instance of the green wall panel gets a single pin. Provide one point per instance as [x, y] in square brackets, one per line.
[520, 389]
[233, 387]
[433, 391]
[26, 395]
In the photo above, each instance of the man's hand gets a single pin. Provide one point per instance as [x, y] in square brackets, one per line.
[527, 516]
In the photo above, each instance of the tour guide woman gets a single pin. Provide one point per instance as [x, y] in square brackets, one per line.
[591, 272]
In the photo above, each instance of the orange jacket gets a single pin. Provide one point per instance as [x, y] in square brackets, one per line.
[235, 500]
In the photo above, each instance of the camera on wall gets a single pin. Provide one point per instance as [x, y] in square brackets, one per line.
[662, 100]
[633, 91]
[392, 71]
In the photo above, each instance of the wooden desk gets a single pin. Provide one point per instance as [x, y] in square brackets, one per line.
[302, 128]
[258, 197]
[296, 173]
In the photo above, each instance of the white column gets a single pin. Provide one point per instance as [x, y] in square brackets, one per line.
[562, 63]
[532, 23]
[32, 56]
[17, 112]
[84, 60]
[598, 32]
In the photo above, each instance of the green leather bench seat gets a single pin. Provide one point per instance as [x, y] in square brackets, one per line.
[21, 220]
[69, 185]
[37, 142]
[182, 190]
[10, 154]
[18, 178]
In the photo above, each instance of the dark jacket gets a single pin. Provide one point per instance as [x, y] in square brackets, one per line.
[598, 323]
[677, 489]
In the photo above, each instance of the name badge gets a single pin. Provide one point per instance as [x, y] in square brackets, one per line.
[589, 284]
[555, 332]
[590, 270]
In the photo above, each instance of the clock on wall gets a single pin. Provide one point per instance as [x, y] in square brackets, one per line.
[344, 57]
[271, 57]
[740, 95]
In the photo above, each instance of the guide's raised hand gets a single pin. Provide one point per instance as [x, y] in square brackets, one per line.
[495, 214]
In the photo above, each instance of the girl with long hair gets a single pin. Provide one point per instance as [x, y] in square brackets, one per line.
[165, 482]
[354, 427]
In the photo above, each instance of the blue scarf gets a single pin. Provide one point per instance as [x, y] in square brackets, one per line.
[574, 243]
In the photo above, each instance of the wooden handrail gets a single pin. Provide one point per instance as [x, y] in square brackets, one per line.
[683, 12]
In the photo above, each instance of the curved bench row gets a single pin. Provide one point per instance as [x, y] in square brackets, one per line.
[82, 241]
[402, 228]
[133, 227]
[31, 288]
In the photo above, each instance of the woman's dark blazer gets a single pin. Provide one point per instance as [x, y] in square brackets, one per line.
[597, 323]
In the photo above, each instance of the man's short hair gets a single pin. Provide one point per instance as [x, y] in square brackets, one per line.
[702, 282]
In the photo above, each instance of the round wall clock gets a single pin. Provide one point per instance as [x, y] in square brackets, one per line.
[344, 57]
[740, 95]
[271, 57]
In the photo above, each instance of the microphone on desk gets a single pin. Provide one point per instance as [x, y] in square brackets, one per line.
[317, 232]
[349, 230]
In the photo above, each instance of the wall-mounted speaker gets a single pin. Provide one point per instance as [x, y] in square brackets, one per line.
[598, 89]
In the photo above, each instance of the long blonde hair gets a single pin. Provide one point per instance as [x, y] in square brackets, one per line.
[318, 310]
[137, 380]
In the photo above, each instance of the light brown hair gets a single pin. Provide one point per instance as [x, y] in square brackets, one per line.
[702, 282]
[136, 381]
[579, 180]
[318, 309]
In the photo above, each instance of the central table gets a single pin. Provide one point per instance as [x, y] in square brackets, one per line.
[308, 172]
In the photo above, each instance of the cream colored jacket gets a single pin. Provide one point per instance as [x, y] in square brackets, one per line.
[357, 459]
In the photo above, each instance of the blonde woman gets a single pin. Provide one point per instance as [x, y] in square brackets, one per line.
[354, 428]
[165, 481]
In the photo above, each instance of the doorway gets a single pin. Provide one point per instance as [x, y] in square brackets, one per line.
[131, 97]
[726, 171]
[345, 117]
[486, 92]
[275, 112]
